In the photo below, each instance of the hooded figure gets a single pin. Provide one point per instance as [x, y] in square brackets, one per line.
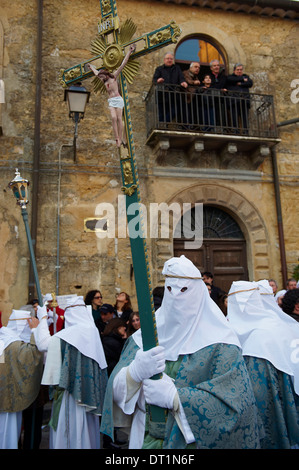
[269, 339]
[21, 366]
[77, 371]
[205, 388]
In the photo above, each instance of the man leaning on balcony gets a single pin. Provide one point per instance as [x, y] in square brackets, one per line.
[166, 75]
[218, 84]
[238, 84]
[192, 78]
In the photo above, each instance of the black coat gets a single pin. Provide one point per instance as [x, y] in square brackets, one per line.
[216, 293]
[100, 325]
[243, 87]
[172, 75]
[207, 95]
[112, 345]
[218, 82]
[125, 315]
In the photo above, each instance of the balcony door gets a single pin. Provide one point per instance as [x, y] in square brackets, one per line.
[223, 251]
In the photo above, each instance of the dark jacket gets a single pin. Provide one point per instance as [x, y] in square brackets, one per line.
[96, 314]
[218, 81]
[112, 345]
[125, 315]
[172, 75]
[100, 324]
[207, 92]
[216, 293]
[294, 315]
[233, 81]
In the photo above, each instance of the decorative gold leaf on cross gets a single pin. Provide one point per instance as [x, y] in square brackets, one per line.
[61, 80]
[176, 31]
[112, 54]
[131, 70]
[129, 191]
[98, 46]
[127, 31]
[106, 5]
[98, 85]
[127, 172]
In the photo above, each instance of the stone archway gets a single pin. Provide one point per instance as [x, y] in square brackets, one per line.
[229, 44]
[242, 210]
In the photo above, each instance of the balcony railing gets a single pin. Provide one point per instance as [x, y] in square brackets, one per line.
[210, 112]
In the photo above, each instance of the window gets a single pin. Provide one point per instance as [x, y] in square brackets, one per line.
[199, 49]
[216, 224]
[219, 224]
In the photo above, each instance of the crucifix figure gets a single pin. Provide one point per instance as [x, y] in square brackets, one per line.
[115, 100]
[111, 48]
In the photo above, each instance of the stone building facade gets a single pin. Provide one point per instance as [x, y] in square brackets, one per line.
[37, 40]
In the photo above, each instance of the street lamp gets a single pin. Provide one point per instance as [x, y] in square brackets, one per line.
[19, 188]
[77, 97]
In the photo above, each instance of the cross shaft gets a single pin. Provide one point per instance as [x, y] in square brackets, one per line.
[112, 44]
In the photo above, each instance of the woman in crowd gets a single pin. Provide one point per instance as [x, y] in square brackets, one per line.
[95, 299]
[123, 306]
[134, 323]
[113, 339]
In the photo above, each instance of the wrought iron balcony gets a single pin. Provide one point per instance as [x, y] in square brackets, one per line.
[227, 123]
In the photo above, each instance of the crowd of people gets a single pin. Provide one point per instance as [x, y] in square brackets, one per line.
[225, 370]
[208, 100]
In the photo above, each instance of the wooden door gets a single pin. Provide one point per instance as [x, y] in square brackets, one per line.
[225, 259]
[223, 251]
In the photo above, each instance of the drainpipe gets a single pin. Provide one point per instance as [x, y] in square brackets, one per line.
[57, 267]
[36, 149]
[288, 122]
[284, 270]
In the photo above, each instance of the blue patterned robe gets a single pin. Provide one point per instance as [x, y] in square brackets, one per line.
[277, 403]
[215, 391]
[82, 378]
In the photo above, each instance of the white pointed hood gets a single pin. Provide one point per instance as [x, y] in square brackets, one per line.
[264, 330]
[80, 331]
[17, 329]
[188, 319]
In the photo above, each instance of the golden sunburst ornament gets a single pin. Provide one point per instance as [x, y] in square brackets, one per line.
[113, 55]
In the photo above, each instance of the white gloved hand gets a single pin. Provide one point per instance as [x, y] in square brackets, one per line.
[49, 312]
[160, 392]
[41, 312]
[147, 363]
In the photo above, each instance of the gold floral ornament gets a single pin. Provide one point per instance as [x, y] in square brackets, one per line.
[69, 75]
[113, 54]
[106, 6]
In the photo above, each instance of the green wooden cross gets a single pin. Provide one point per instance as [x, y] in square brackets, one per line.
[109, 49]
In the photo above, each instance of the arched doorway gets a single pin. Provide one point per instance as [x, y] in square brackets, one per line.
[223, 251]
